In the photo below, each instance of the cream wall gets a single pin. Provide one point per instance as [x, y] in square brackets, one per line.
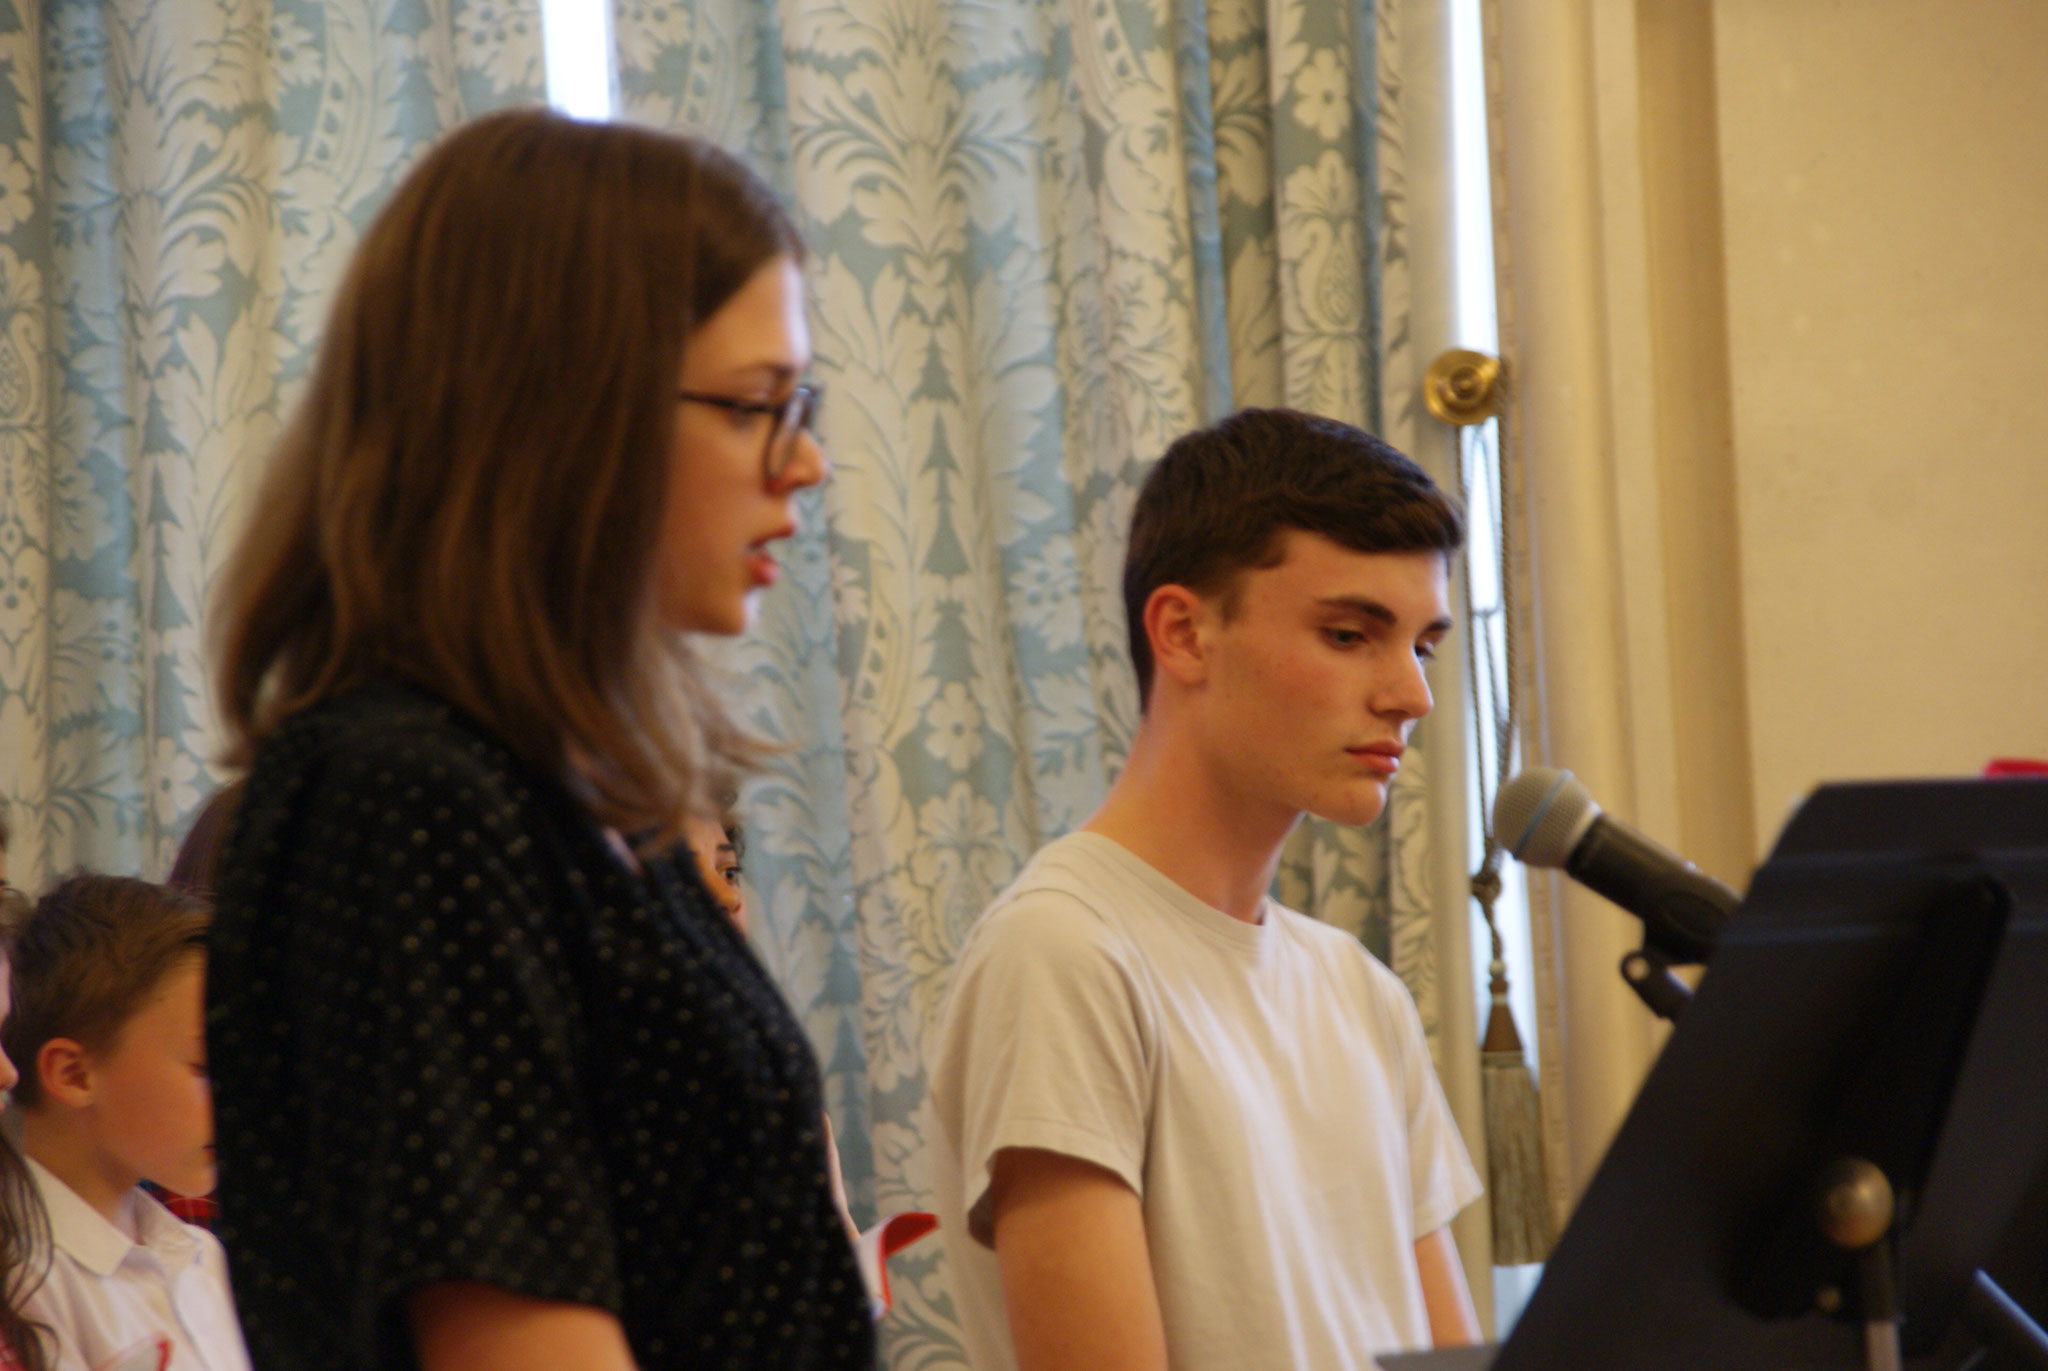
[1884, 170]
[1778, 273]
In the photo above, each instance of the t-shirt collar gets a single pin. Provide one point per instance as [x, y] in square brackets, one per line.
[1248, 937]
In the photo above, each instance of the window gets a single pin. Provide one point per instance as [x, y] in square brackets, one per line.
[1478, 328]
[576, 40]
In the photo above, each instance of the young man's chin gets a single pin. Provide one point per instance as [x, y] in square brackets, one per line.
[1353, 810]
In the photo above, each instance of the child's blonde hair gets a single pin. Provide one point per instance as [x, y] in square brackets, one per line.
[86, 958]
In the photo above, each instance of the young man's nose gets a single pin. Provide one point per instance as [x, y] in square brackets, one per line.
[1407, 693]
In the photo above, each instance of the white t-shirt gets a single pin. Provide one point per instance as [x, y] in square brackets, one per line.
[1264, 1088]
[107, 1298]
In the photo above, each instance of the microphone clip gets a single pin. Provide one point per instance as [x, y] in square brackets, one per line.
[1655, 983]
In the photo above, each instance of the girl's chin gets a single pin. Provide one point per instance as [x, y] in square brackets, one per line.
[718, 621]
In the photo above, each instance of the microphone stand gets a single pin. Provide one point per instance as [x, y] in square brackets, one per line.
[1856, 1217]
[1869, 1133]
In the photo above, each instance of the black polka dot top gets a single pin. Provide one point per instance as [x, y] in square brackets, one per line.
[454, 1038]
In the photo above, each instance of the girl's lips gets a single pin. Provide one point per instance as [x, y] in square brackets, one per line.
[762, 568]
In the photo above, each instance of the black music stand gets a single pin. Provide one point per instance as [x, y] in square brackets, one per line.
[1882, 994]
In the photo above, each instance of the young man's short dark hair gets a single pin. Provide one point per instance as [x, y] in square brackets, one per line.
[1219, 499]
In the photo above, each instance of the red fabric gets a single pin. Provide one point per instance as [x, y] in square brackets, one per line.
[194, 1209]
[901, 1230]
[2016, 766]
[884, 1241]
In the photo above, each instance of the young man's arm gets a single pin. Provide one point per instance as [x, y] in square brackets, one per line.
[1453, 1321]
[1077, 1273]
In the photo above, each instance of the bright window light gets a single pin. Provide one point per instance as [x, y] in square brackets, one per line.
[1478, 327]
[576, 37]
[1473, 198]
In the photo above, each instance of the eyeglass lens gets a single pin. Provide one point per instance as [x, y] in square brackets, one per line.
[796, 417]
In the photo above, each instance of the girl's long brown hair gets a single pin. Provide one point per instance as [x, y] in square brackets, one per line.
[24, 1226]
[24, 1258]
[469, 496]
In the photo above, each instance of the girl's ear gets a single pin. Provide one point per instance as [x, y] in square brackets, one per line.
[64, 1070]
[1176, 623]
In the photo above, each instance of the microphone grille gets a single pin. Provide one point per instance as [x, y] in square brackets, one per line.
[1541, 813]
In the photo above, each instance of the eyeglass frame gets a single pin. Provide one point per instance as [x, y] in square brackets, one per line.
[793, 416]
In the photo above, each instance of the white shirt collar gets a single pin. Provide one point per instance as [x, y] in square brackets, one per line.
[84, 1234]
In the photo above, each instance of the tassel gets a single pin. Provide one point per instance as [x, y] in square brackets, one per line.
[1514, 1138]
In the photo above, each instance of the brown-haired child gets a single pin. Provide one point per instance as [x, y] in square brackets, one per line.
[107, 1029]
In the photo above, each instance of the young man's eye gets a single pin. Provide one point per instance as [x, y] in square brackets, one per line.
[1343, 637]
[1426, 651]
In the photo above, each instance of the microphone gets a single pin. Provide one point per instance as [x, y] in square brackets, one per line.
[1545, 817]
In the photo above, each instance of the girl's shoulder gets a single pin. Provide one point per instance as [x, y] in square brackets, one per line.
[398, 750]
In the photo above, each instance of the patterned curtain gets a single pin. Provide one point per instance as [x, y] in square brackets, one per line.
[1046, 238]
[181, 185]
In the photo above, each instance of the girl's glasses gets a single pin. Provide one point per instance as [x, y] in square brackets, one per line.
[792, 416]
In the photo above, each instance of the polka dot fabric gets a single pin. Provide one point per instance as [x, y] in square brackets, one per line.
[453, 1038]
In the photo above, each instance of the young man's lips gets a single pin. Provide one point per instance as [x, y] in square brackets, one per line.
[1384, 758]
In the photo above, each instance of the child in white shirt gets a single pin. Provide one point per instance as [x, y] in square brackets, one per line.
[108, 1030]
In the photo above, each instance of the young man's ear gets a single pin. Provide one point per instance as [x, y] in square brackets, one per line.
[1175, 625]
[64, 1071]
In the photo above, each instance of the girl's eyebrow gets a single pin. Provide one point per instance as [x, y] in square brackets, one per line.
[776, 374]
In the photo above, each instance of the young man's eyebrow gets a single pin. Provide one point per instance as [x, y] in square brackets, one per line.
[1373, 609]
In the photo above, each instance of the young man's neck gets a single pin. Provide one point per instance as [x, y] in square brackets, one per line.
[1171, 812]
[63, 1148]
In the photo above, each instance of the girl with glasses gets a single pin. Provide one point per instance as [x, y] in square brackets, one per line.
[497, 1082]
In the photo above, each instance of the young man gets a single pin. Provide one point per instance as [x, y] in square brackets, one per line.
[1180, 1124]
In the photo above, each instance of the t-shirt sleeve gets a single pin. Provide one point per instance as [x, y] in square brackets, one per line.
[1042, 1044]
[447, 1134]
[1441, 1177]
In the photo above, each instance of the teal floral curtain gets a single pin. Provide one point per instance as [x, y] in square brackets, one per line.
[181, 185]
[1046, 239]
